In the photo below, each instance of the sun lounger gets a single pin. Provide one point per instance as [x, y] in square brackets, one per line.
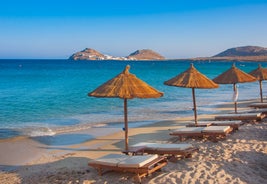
[200, 124]
[234, 124]
[241, 116]
[172, 151]
[261, 110]
[141, 165]
[188, 132]
[258, 105]
[214, 132]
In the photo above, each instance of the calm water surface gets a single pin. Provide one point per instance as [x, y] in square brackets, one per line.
[42, 97]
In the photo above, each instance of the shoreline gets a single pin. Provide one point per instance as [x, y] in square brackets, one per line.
[42, 131]
[35, 157]
[29, 145]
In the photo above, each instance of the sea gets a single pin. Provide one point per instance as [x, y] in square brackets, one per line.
[49, 97]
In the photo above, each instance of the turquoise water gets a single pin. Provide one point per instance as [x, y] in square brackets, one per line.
[44, 97]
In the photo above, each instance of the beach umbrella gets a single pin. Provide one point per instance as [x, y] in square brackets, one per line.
[260, 74]
[192, 78]
[234, 76]
[125, 86]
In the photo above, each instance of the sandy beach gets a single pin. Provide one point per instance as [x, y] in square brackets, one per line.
[240, 158]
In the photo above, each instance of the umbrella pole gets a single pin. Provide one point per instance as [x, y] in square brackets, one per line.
[126, 124]
[261, 90]
[195, 107]
[235, 103]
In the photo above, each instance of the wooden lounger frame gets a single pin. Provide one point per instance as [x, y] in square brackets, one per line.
[173, 154]
[140, 172]
[234, 124]
[258, 105]
[214, 136]
[169, 153]
[187, 134]
[248, 117]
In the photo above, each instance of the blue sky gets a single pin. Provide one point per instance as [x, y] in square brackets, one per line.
[175, 28]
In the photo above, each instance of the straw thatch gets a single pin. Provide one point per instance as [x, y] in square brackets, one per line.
[126, 86]
[260, 74]
[233, 76]
[192, 78]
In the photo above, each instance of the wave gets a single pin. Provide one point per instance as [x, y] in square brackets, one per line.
[38, 132]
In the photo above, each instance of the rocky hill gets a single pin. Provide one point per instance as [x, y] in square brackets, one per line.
[145, 54]
[91, 54]
[87, 54]
[243, 51]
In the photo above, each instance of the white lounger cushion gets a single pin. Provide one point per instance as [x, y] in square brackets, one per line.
[226, 123]
[240, 115]
[258, 105]
[119, 160]
[169, 147]
[110, 159]
[201, 123]
[144, 144]
[262, 110]
[163, 146]
[216, 129]
[188, 130]
[137, 161]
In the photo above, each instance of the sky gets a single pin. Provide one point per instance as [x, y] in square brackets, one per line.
[55, 29]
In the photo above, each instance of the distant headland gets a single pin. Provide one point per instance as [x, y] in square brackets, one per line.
[245, 53]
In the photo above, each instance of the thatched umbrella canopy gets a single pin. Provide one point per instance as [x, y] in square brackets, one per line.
[125, 86]
[192, 78]
[260, 74]
[234, 76]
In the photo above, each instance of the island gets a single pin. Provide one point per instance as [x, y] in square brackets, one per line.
[244, 53]
[91, 54]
